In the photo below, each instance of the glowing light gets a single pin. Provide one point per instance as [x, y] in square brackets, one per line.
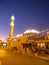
[3, 39]
[31, 31]
[12, 17]
[19, 35]
[11, 24]
[42, 44]
[4, 44]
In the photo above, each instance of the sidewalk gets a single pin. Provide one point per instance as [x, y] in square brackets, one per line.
[35, 55]
[40, 56]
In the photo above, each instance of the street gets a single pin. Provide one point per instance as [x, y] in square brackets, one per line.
[13, 58]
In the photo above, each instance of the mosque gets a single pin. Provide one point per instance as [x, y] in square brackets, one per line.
[26, 40]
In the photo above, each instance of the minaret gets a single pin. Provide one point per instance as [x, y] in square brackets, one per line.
[11, 27]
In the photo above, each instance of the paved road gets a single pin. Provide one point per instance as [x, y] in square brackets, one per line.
[13, 58]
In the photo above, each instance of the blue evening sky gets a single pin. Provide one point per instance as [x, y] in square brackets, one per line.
[29, 14]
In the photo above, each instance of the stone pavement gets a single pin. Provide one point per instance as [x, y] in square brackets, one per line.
[40, 56]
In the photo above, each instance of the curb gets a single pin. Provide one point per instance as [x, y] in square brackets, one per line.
[39, 57]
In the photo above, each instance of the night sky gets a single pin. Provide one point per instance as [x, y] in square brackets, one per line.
[29, 14]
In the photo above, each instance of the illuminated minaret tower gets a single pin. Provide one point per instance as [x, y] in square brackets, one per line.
[11, 27]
